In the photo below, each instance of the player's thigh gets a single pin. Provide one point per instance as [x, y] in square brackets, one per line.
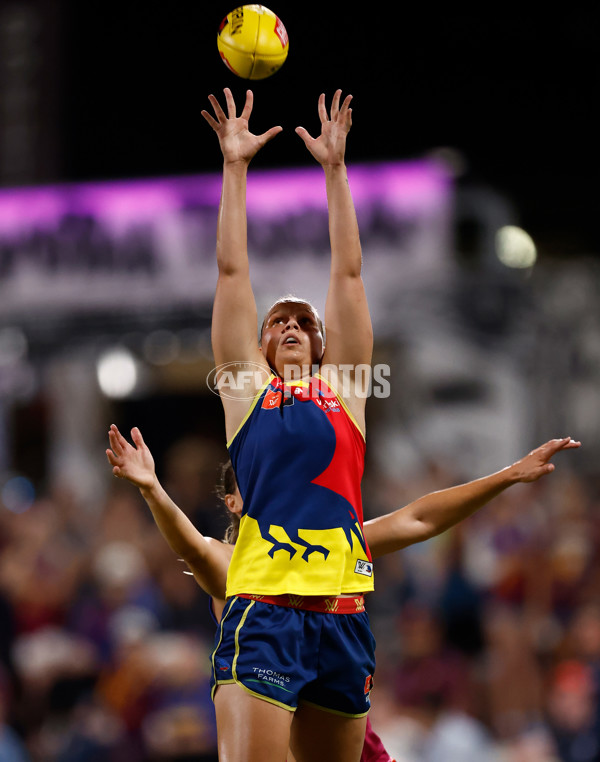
[321, 736]
[250, 729]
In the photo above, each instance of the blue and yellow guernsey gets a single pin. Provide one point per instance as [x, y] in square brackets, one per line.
[298, 457]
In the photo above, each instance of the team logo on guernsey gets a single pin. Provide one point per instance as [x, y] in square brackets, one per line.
[275, 398]
[368, 688]
[364, 567]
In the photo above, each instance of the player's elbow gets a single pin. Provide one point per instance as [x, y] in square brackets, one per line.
[421, 530]
[230, 270]
[410, 530]
[347, 269]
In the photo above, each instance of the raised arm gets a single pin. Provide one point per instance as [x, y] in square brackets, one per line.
[207, 558]
[234, 324]
[349, 334]
[438, 511]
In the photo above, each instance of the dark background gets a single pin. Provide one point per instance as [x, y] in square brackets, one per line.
[515, 92]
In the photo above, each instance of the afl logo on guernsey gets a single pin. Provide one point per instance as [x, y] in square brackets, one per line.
[364, 567]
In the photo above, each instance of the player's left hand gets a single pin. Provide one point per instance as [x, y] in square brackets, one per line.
[132, 462]
[330, 147]
[536, 464]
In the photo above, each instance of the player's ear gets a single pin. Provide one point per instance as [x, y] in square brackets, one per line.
[234, 503]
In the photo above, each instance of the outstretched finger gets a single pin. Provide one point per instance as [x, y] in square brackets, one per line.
[335, 105]
[565, 443]
[210, 119]
[111, 457]
[322, 109]
[117, 441]
[138, 439]
[247, 110]
[346, 103]
[230, 103]
[219, 113]
[346, 111]
[553, 446]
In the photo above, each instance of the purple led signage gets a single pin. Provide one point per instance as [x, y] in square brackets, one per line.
[152, 242]
[408, 187]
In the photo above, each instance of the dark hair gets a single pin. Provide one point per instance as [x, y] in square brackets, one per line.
[226, 485]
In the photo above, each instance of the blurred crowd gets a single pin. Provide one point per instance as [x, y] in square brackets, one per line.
[488, 637]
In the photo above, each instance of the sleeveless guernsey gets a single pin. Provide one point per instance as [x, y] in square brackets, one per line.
[298, 457]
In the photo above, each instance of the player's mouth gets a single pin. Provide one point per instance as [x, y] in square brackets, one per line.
[290, 340]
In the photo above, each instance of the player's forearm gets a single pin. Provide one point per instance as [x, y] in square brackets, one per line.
[346, 253]
[443, 509]
[207, 559]
[232, 226]
[179, 532]
[434, 513]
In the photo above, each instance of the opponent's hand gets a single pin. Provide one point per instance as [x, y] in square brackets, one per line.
[330, 147]
[134, 463]
[237, 143]
[536, 464]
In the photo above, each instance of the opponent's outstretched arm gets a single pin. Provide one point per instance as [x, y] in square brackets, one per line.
[207, 558]
[420, 520]
[436, 512]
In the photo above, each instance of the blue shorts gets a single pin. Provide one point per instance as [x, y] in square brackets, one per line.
[288, 655]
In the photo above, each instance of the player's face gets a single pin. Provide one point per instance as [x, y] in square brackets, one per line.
[292, 338]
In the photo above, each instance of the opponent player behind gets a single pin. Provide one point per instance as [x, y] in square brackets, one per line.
[208, 559]
[297, 448]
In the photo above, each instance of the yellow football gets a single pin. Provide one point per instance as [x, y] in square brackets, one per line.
[252, 42]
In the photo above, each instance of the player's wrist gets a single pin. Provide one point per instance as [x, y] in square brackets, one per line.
[512, 474]
[150, 488]
[236, 165]
[334, 168]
